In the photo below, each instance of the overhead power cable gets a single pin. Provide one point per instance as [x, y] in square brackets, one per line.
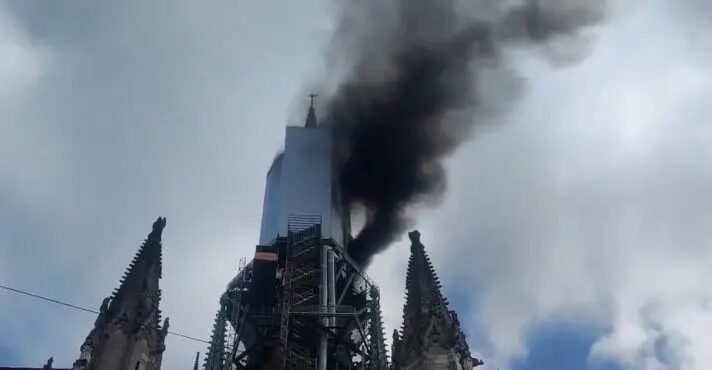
[37, 296]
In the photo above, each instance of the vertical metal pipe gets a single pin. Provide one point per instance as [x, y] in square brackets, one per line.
[323, 302]
[332, 287]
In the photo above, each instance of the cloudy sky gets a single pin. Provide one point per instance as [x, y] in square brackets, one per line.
[574, 235]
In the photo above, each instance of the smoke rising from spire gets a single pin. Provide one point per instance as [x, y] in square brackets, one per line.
[411, 93]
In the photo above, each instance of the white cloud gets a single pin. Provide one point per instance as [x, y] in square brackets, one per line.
[592, 201]
[20, 62]
[140, 110]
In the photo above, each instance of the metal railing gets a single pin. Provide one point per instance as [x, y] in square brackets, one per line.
[297, 223]
[319, 310]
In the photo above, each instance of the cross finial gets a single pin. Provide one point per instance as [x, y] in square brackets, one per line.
[311, 97]
[311, 116]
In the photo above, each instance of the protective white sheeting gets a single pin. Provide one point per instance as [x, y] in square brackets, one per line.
[302, 183]
[272, 200]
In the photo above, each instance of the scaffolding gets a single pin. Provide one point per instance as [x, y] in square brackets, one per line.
[324, 312]
[225, 339]
[301, 287]
[237, 311]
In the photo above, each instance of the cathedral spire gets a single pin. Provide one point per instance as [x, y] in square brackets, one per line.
[127, 333]
[311, 116]
[138, 294]
[423, 295]
[197, 359]
[376, 335]
[431, 336]
[215, 356]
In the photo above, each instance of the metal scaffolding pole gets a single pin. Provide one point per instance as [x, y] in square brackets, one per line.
[323, 302]
[332, 287]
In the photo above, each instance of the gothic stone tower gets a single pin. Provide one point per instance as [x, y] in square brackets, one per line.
[431, 338]
[126, 334]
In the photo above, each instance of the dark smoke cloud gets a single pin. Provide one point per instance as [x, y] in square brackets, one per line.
[410, 95]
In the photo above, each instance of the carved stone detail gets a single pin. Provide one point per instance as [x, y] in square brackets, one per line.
[126, 331]
[431, 337]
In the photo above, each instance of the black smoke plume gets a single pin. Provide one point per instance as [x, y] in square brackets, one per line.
[411, 92]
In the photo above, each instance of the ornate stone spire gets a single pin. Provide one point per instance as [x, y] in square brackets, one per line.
[127, 333]
[376, 335]
[431, 337]
[140, 281]
[311, 116]
[197, 359]
[395, 349]
[48, 365]
[215, 356]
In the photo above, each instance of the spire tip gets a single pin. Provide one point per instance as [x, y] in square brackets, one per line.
[311, 98]
[414, 236]
[311, 116]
